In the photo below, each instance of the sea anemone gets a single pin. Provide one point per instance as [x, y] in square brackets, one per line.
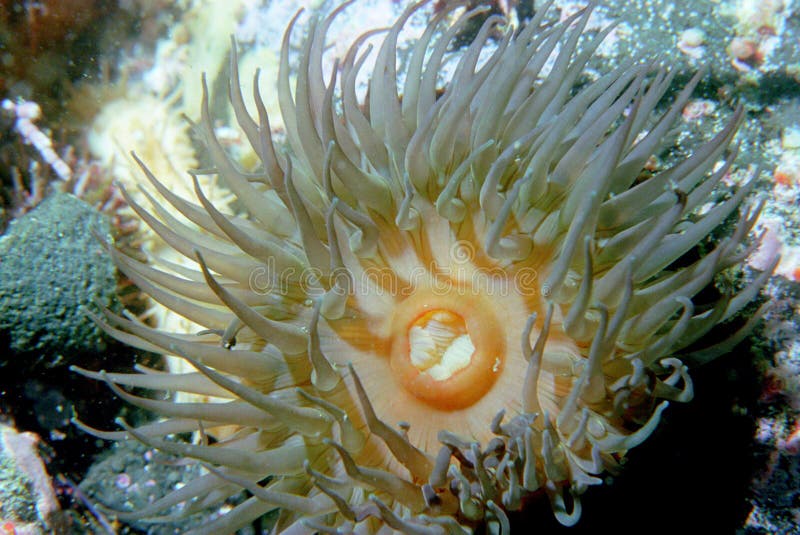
[481, 263]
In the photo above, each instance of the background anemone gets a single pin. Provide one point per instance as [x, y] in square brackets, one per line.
[482, 263]
[152, 127]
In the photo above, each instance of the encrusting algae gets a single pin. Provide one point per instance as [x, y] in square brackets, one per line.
[438, 300]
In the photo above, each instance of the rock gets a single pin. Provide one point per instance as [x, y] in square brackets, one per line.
[52, 268]
[28, 502]
[131, 476]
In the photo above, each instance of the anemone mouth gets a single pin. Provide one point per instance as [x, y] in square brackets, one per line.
[446, 350]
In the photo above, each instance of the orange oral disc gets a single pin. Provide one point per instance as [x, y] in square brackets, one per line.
[446, 350]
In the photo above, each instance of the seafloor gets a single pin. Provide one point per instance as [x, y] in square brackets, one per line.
[111, 76]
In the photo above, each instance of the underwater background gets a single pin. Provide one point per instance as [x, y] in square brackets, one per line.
[85, 82]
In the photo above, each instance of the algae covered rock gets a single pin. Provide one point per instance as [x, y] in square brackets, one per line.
[53, 268]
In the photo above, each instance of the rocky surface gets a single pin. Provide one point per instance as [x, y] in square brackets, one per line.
[53, 269]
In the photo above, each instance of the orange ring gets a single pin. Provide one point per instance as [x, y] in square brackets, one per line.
[465, 386]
